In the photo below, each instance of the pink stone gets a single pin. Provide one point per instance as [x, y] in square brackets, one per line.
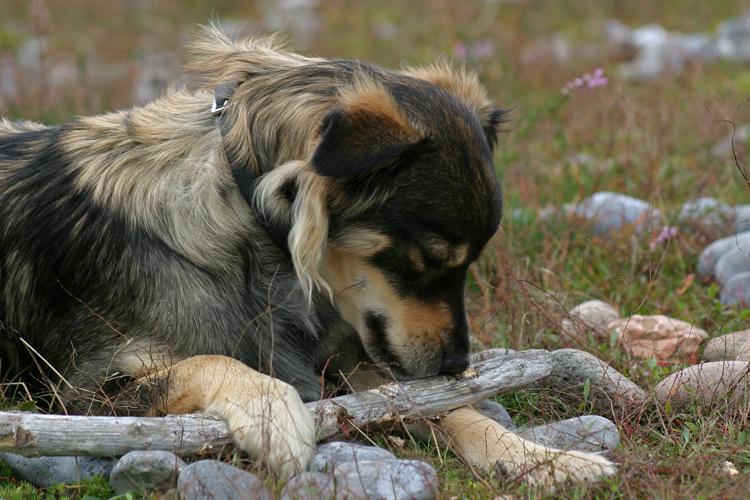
[659, 336]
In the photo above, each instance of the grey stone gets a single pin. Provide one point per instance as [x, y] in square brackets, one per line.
[391, 480]
[713, 252]
[146, 470]
[211, 479]
[48, 471]
[708, 211]
[726, 347]
[736, 290]
[591, 433]
[741, 219]
[548, 213]
[610, 393]
[733, 38]
[718, 383]
[522, 216]
[732, 263]
[590, 317]
[659, 51]
[611, 212]
[329, 456]
[594, 313]
[496, 412]
[490, 353]
[310, 486]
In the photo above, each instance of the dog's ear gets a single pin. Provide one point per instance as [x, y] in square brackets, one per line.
[368, 132]
[465, 85]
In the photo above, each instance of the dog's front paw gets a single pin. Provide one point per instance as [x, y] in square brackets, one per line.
[546, 466]
[271, 424]
[265, 415]
[486, 444]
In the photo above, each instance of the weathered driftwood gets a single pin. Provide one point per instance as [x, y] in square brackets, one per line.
[428, 398]
[32, 434]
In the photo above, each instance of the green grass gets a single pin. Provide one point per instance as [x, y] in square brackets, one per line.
[651, 141]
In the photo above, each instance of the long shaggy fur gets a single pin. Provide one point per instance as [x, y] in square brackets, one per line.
[324, 219]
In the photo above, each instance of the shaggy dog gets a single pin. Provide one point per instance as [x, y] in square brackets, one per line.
[220, 249]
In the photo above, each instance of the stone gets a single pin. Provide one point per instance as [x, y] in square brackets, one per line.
[658, 335]
[310, 486]
[716, 383]
[733, 37]
[725, 347]
[329, 456]
[390, 480]
[589, 318]
[713, 252]
[743, 354]
[741, 219]
[146, 470]
[211, 479]
[735, 261]
[612, 212]
[490, 353]
[496, 412]
[611, 394]
[736, 290]
[48, 471]
[708, 211]
[522, 216]
[590, 433]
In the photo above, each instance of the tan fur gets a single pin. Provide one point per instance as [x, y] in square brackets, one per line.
[447, 254]
[369, 100]
[182, 150]
[266, 416]
[357, 285]
[483, 442]
[460, 82]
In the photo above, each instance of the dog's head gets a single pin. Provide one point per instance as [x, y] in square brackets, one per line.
[397, 196]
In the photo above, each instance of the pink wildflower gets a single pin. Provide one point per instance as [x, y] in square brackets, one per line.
[589, 81]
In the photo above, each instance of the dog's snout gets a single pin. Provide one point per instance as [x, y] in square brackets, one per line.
[454, 363]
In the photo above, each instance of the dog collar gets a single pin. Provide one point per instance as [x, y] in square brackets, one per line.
[245, 179]
[222, 93]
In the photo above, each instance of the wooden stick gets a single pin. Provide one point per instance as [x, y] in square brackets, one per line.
[34, 434]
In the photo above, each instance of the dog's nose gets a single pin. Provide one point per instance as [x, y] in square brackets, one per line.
[454, 363]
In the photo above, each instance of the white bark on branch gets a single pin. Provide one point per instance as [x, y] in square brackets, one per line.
[34, 434]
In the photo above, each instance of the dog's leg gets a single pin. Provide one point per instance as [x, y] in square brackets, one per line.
[486, 444]
[266, 416]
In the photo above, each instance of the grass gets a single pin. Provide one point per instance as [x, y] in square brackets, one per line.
[649, 140]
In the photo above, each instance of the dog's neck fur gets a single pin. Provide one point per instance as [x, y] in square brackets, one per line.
[246, 178]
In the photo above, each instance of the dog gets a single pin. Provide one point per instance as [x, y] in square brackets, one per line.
[233, 248]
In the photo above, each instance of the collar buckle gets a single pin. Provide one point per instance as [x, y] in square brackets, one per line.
[222, 93]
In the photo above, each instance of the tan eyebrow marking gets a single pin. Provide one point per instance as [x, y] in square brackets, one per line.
[415, 255]
[445, 253]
